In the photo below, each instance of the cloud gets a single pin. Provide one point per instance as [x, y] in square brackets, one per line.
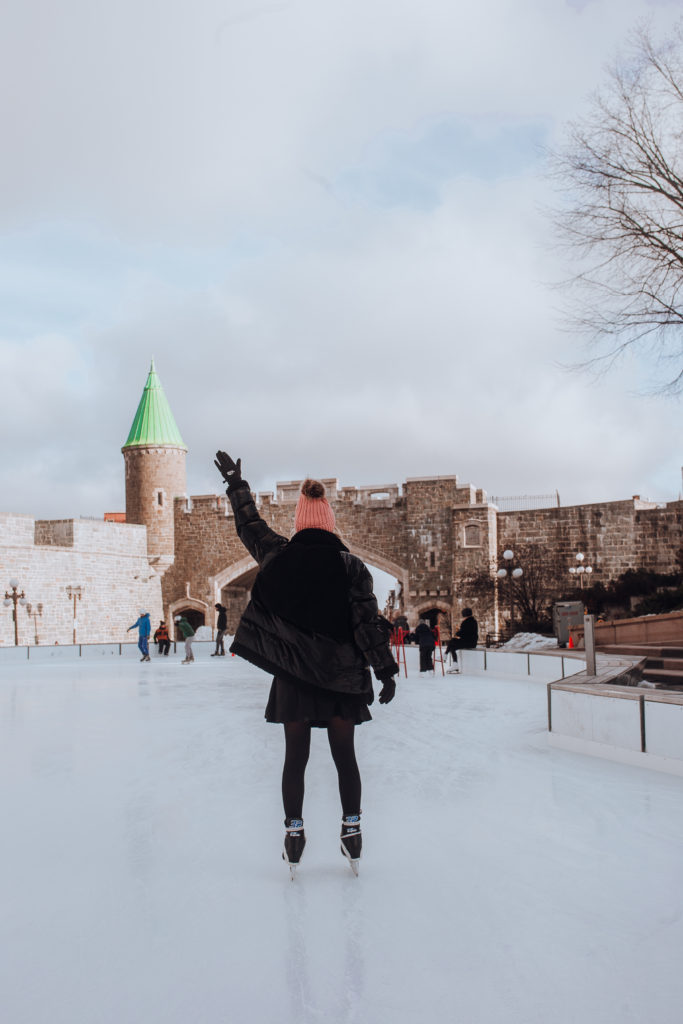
[323, 222]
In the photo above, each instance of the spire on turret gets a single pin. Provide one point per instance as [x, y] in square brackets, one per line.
[154, 425]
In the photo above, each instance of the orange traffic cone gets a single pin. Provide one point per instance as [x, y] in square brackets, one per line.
[570, 645]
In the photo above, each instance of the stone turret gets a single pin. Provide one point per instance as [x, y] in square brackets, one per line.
[154, 454]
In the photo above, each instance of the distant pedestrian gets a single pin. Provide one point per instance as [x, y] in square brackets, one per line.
[425, 639]
[222, 628]
[144, 629]
[162, 638]
[466, 638]
[187, 633]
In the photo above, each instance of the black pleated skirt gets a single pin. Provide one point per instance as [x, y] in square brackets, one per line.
[301, 702]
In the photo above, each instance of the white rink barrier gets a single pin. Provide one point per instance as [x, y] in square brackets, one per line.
[631, 724]
[127, 649]
[543, 666]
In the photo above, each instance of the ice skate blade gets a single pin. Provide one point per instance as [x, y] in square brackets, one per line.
[353, 864]
[291, 865]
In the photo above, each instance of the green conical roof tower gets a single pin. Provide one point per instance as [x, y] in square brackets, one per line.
[154, 425]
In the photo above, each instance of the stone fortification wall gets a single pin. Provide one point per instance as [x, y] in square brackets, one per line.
[409, 536]
[433, 535]
[210, 555]
[107, 560]
[614, 536]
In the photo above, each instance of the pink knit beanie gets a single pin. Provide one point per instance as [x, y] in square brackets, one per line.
[313, 510]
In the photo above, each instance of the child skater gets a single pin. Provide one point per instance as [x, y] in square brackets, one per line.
[313, 622]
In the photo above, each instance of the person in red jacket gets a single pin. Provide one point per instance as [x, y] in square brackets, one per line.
[312, 622]
[162, 638]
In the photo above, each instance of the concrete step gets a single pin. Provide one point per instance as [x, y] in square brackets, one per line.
[664, 677]
[643, 650]
[671, 664]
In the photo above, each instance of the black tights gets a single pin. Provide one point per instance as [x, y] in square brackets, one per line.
[340, 733]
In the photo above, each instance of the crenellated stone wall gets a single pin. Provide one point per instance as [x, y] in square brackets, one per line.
[431, 535]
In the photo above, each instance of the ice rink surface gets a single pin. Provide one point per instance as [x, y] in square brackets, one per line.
[502, 882]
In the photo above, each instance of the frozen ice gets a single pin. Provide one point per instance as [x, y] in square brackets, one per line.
[502, 881]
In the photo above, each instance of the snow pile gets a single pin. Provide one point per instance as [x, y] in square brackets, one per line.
[530, 642]
[203, 633]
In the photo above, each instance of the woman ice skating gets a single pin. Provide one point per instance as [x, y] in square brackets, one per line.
[144, 629]
[313, 622]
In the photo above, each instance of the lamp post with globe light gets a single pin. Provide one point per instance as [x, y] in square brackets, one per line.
[15, 598]
[512, 574]
[74, 594]
[35, 612]
[580, 570]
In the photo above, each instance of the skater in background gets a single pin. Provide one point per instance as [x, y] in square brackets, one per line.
[313, 622]
[144, 629]
[466, 637]
[187, 633]
[425, 639]
[222, 628]
[162, 638]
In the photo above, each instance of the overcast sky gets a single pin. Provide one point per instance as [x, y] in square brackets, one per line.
[324, 220]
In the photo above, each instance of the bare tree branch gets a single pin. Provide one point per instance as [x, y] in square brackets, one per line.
[620, 173]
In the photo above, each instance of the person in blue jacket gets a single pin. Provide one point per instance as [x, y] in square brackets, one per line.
[144, 629]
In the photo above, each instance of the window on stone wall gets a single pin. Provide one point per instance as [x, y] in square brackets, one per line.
[473, 535]
[160, 498]
[431, 559]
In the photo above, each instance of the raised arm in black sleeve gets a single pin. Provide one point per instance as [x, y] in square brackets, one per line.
[257, 537]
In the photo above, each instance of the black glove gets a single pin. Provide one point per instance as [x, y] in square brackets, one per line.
[388, 690]
[229, 470]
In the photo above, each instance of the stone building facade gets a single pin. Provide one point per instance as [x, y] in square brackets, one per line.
[177, 553]
[432, 535]
[107, 562]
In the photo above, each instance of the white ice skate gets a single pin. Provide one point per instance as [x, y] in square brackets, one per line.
[295, 840]
[351, 840]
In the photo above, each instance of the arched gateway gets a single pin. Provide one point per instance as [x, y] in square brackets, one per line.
[231, 586]
[417, 536]
[439, 539]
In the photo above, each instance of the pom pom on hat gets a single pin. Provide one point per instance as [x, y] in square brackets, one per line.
[313, 510]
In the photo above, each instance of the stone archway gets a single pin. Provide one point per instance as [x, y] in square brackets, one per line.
[232, 588]
[196, 612]
[436, 612]
[381, 562]
[232, 585]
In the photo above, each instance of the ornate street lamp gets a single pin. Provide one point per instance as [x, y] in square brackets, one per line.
[35, 614]
[75, 594]
[15, 598]
[512, 574]
[580, 570]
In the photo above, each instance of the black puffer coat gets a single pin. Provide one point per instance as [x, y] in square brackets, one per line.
[312, 617]
[468, 633]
